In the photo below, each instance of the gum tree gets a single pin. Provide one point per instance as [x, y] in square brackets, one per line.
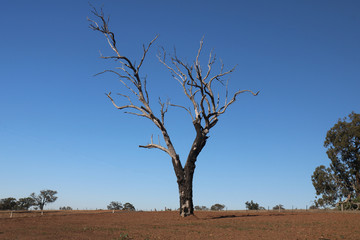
[45, 197]
[342, 179]
[197, 84]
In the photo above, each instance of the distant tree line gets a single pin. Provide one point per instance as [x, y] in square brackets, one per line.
[249, 206]
[215, 207]
[201, 208]
[255, 206]
[48, 196]
[37, 201]
[65, 208]
[114, 205]
[11, 203]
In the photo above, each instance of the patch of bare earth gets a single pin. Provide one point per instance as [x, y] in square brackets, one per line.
[169, 225]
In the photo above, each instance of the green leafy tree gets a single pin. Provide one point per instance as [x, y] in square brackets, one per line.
[45, 197]
[253, 206]
[129, 207]
[342, 179]
[217, 207]
[25, 203]
[279, 206]
[8, 203]
[328, 186]
[115, 206]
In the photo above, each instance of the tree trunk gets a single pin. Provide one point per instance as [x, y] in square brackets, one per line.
[186, 199]
[185, 182]
[186, 191]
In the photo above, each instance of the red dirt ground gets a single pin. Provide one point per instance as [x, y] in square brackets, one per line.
[168, 225]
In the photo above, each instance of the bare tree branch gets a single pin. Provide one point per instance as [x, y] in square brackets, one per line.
[153, 145]
[145, 52]
[163, 110]
[146, 92]
[143, 112]
[223, 109]
[121, 76]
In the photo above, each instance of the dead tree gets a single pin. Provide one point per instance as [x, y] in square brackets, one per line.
[197, 85]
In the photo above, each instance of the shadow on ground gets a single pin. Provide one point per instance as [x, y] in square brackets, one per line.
[244, 216]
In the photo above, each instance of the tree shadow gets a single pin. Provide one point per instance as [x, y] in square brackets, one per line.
[233, 216]
[248, 215]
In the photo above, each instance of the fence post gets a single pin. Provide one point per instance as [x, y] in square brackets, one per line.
[11, 214]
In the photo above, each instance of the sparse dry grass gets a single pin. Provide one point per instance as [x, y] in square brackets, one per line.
[168, 225]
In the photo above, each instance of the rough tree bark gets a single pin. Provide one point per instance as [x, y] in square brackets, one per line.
[198, 87]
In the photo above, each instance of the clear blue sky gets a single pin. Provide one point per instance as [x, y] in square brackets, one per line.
[59, 131]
